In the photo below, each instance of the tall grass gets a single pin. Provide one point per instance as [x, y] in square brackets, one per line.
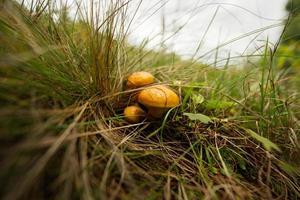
[234, 136]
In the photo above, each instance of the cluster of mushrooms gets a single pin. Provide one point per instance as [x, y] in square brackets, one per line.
[152, 101]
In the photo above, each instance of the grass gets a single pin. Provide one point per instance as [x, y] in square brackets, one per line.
[234, 136]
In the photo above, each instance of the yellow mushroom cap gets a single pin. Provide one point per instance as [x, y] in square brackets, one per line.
[158, 96]
[139, 79]
[134, 114]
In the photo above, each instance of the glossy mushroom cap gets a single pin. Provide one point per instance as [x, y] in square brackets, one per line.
[158, 96]
[134, 114]
[158, 99]
[139, 79]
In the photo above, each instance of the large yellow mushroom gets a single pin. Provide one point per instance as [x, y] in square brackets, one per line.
[158, 99]
[134, 114]
[139, 79]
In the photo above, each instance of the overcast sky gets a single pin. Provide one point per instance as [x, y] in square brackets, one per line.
[222, 20]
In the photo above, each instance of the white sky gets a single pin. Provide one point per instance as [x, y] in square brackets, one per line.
[233, 18]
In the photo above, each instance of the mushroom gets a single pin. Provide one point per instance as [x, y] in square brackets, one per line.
[139, 79]
[158, 99]
[134, 114]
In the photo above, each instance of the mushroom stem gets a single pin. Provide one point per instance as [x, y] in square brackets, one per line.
[156, 112]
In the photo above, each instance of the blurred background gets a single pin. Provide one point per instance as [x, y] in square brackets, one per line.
[209, 31]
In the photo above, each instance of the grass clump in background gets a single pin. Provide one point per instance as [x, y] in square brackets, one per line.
[234, 136]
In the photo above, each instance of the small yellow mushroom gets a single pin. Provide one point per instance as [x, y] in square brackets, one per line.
[134, 114]
[139, 79]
